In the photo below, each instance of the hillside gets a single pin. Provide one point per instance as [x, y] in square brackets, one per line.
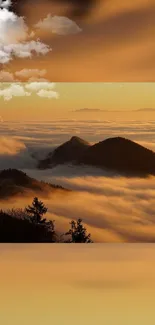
[15, 182]
[69, 151]
[118, 154]
[122, 155]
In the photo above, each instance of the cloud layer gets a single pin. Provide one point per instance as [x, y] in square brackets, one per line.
[114, 209]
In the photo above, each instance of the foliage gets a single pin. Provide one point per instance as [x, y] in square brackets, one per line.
[78, 233]
[30, 226]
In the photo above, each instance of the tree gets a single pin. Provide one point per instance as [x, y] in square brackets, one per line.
[36, 211]
[78, 233]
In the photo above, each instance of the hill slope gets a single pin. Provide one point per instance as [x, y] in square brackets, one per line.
[122, 155]
[15, 182]
[69, 151]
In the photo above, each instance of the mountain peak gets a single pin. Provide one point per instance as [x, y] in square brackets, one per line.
[77, 140]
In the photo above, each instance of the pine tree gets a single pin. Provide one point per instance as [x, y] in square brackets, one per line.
[36, 211]
[78, 233]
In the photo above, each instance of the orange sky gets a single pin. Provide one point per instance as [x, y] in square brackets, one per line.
[116, 44]
[44, 284]
[76, 96]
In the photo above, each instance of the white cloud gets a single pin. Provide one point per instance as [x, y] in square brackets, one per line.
[58, 25]
[22, 50]
[14, 90]
[12, 28]
[15, 39]
[48, 93]
[41, 89]
[4, 57]
[5, 4]
[36, 86]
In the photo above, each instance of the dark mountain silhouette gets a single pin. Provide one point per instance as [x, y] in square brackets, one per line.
[69, 151]
[15, 182]
[122, 155]
[118, 154]
[145, 110]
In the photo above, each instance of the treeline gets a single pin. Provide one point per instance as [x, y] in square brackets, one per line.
[30, 226]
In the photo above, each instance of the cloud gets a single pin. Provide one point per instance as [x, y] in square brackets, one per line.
[31, 73]
[10, 146]
[14, 90]
[22, 50]
[5, 4]
[58, 25]
[6, 76]
[15, 154]
[36, 86]
[48, 93]
[41, 89]
[12, 28]
[15, 39]
[74, 8]
[95, 191]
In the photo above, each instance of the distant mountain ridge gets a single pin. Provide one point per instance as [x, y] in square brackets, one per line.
[117, 154]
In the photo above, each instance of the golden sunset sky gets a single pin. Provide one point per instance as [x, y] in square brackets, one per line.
[116, 43]
[123, 97]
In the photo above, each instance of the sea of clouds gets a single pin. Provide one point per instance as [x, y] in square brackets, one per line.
[114, 208]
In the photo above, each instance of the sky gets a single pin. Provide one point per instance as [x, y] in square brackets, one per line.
[114, 41]
[47, 101]
[94, 64]
[44, 284]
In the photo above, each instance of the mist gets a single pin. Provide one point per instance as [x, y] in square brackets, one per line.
[113, 208]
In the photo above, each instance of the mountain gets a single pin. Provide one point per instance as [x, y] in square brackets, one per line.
[145, 110]
[69, 151]
[117, 154]
[89, 110]
[15, 182]
[122, 155]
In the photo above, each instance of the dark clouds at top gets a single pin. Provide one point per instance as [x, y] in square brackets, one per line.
[76, 8]
[115, 42]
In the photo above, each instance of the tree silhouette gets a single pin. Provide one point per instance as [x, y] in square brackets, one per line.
[36, 211]
[29, 226]
[78, 233]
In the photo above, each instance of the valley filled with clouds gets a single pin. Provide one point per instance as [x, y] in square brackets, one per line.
[114, 208]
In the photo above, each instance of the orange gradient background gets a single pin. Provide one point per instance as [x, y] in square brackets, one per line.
[77, 284]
